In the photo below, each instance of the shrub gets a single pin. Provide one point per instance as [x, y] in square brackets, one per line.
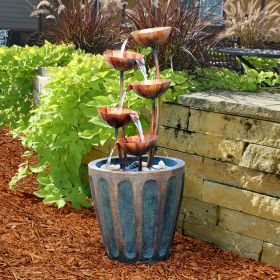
[79, 23]
[203, 79]
[189, 40]
[17, 68]
[253, 26]
[225, 79]
[66, 126]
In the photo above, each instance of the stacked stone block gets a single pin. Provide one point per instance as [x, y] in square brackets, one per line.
[40, 83]
[231, 144]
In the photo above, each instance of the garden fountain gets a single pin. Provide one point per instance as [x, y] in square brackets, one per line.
[137, 205]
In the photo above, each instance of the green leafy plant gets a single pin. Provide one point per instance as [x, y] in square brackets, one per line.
[261, 63]
[204, 79]
[17, 68]
[225, 79]
[66, 126]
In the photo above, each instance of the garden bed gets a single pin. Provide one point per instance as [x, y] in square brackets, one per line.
[41, 242]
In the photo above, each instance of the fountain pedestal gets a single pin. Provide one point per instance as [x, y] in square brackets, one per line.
[137, 209]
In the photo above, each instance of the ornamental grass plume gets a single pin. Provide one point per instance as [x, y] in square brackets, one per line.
[111, 3]
[252, 25]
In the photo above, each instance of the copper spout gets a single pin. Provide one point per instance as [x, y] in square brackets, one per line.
[116, 117]
[150, 89]
[122, 62]
[133, 145]
[152, 37]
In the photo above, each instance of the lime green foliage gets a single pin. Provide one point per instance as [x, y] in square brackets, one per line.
[225, 79]
[181, 82]
[217, 79]
[66, 126]
[263, 63]
[17, 67]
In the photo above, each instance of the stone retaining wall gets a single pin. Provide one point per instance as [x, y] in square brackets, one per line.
[40, 82]
[231, 145]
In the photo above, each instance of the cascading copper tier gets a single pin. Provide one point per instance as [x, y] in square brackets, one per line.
[116, 117]
[150, 89]
[152, 37]
[122, 61]
[133, 145]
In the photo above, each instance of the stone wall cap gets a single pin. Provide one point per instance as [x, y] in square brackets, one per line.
[260, 105]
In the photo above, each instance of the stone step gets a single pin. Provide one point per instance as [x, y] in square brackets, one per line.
[259, 105]
[225, 173]
[240, 244]
[249, 130]
[249, 225]
[271, 254]
[241, 200]
[201, 144]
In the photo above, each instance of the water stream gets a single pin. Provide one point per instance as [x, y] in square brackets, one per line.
[108, 163]
[123, 47]
[122, 102]
[135, 118]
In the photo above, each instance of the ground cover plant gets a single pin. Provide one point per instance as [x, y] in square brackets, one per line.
[204, 79]
[66, 125]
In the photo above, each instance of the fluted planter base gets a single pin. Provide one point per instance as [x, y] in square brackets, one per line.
[137, 211]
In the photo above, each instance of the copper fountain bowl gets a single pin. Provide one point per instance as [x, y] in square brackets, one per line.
[122, 63]
[152, 37]
[150, 89]
[132, 145]
[115, 117]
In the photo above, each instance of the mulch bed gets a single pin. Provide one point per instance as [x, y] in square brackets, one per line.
[42, 242]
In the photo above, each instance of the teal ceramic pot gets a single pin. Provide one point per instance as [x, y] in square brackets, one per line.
[137, 211]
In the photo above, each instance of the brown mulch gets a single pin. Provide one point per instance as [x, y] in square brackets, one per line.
[42, 242]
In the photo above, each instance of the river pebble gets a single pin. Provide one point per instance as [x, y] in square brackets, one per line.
[112, 167]
[162, 164]
[157, 167]
[145, 169]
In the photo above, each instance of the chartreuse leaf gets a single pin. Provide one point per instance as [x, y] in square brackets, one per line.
[37, 169]
[88, 134]
[97, 121]
[21, 173]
